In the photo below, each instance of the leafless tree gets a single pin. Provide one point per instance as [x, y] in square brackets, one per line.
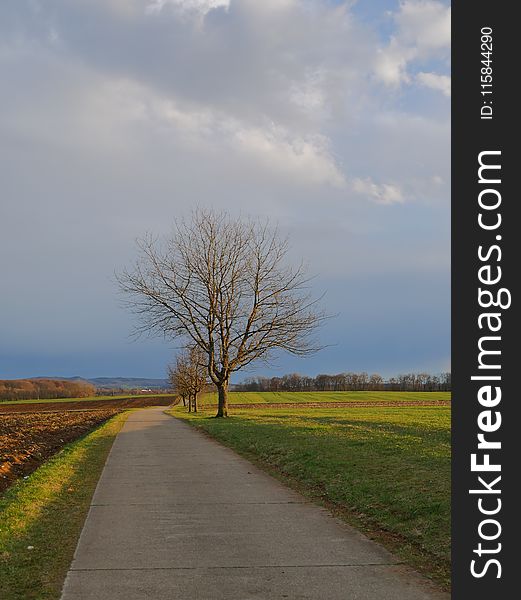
[376, 381]
[176, 382]
[189, 376]
[224, 285]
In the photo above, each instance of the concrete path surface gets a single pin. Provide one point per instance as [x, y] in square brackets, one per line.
[178, 516]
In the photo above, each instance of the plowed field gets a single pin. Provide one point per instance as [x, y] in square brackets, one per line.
[118, 403]
[26, 440]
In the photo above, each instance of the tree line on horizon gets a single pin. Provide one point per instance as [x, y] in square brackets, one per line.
[33, 389]
[343, 382]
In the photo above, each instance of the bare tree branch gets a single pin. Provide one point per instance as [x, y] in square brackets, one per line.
[224, 285]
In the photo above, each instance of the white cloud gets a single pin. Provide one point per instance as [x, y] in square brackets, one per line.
[391, 64]
[201, 7]
[108, 116]
[423, 32]
[289, 100]
[424, 24]
[435, 82]
[307, 159]
[384, 193]
[309, 94]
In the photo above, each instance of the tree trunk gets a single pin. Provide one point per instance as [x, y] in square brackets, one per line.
[195, 402]
[222, 391]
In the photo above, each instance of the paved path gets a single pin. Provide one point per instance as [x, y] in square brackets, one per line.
[178, 516]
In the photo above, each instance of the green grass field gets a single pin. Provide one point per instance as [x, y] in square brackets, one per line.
[41, 517]
[385, 469]
[292, 397]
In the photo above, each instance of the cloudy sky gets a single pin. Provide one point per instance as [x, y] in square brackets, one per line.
[330, 117]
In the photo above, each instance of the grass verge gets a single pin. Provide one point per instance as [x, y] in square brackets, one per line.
[41, 517]
[385, 470]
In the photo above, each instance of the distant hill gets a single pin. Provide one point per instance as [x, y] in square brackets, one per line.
[129, 383]
[118, 383]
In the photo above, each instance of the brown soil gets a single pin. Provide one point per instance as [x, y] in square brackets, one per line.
[90, 405]
[27, 440]
[354, 404]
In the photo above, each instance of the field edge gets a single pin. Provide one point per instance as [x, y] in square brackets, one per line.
[42, 516]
